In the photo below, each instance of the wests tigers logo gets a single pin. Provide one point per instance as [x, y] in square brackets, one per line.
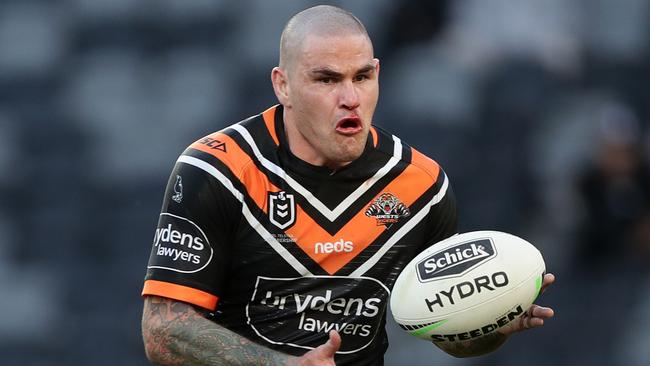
[387, 209]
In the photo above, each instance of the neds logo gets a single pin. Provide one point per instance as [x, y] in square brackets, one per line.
[455, 260]
[339, 246]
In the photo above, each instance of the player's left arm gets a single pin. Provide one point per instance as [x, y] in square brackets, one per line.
[533, 318]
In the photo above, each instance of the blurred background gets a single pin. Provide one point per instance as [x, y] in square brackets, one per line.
[539, 111]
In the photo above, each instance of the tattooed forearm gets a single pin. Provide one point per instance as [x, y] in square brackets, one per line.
[474, 347]
[174, 333]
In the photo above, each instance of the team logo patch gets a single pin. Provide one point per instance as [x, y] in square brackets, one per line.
[282, 209]
[387, 209]
[178, 190]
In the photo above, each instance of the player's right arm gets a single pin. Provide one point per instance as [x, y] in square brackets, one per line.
[174, 333]
[188, 270]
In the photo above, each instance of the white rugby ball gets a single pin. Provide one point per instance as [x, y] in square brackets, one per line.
[467, 286]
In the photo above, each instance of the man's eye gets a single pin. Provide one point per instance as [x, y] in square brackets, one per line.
[361, 77]
[326, 80]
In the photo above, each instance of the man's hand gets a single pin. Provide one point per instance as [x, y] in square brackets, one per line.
[533, 318]
[323, 354]
[535, 315]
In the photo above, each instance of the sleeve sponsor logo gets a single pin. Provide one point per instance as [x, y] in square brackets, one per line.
[455, 260]
[300, 312]
[180, 245]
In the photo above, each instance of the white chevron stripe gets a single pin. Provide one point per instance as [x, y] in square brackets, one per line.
[252, 221]
[318, 205]
[402, 231]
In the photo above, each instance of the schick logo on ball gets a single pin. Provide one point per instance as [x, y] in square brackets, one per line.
[455, 260]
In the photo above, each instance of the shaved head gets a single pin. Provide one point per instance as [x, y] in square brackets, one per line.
[321, 21]
[328, 85]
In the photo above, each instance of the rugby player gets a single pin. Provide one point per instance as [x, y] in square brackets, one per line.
[281, 236]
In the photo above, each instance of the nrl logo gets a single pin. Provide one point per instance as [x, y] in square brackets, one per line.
[387, 209]
[282, 209]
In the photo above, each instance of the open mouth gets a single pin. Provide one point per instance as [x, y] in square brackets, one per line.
[349, 125]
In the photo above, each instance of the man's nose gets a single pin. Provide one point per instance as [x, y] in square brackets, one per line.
[349, 96]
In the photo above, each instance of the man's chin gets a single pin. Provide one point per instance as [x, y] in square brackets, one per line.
[348, 148]
[349, 155]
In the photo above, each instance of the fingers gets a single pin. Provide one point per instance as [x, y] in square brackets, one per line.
[535, 316]
[333, 344]
[533, 323]
[548, 279]
[322, 355]
[537, 311]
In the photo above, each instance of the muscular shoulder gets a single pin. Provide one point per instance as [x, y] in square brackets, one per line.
[419, 163]
[425, 164]
[223, 147]
[235, 147]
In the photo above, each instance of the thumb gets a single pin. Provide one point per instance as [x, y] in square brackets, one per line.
[333, 344]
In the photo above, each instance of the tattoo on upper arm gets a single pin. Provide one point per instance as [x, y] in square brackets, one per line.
[179, 335]
[157, 317]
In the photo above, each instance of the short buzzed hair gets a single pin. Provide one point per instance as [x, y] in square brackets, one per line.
[321, 20]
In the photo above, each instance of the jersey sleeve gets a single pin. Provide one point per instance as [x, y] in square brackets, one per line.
[190, 251]
[442, 220]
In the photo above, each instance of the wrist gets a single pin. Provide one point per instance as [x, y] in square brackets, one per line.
[292, 361]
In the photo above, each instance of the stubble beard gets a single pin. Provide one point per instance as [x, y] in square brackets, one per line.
[349, 149]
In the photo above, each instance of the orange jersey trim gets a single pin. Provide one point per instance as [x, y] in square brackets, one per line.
[375, 138]
[181, 293]
[425, 163]
[269, 119]
[361, 229]
[237, 161]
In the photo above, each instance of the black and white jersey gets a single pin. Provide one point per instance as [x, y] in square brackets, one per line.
[281, 251]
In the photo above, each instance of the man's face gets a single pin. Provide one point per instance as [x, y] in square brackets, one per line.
[332, 92]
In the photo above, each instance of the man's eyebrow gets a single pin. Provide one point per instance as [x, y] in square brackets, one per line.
[366, 69]
[325, 72]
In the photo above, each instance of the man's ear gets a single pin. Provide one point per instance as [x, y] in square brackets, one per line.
[280, 85]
